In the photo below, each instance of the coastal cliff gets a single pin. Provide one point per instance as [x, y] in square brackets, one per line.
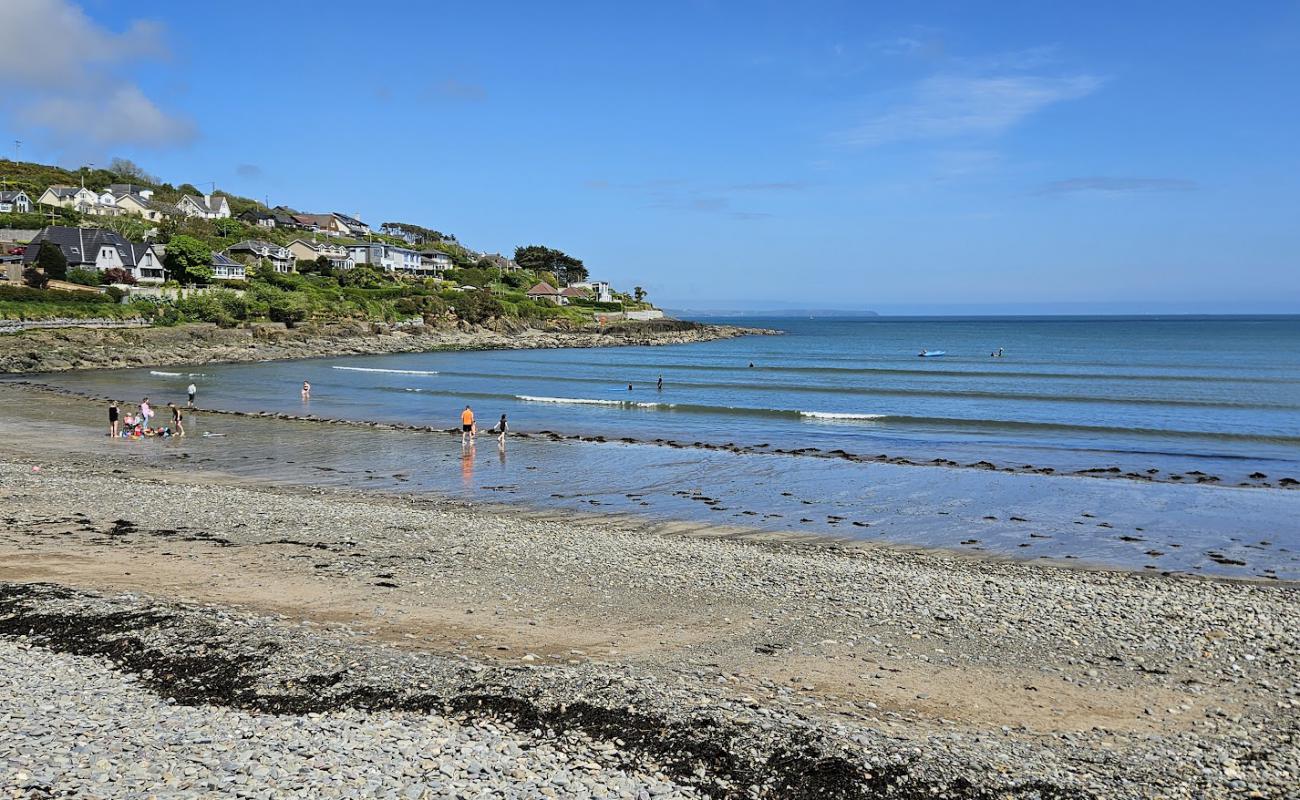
[86, 348]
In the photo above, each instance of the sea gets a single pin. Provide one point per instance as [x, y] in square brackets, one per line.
[1165, 444]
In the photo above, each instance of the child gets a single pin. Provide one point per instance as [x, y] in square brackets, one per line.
[177, 419]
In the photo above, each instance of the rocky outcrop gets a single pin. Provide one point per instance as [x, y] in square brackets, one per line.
[85, 348]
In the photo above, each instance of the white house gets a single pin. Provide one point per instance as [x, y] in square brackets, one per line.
[16, 202]
[435, 262]
[209, 206]
[99, 249]
[600, 290]
[388, 257]
[225, 268]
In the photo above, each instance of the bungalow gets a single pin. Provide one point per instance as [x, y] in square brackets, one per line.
[435, 262]
[143, 206]
[251, 250]
[388, 257]
[16, 202]
[209, 206]
[545, 291]
[225, 268]
[77, 198]
[569, 293]
[304, 250]
[258, 217]
[100, 250]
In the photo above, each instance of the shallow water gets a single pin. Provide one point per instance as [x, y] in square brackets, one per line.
[1217, 396]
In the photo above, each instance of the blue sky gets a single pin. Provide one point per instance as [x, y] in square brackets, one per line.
[903, 157]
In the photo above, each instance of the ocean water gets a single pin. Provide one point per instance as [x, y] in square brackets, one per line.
[1202, 413]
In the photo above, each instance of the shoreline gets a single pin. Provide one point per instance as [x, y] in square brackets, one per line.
[718, 662]
[1195, 477]
[63, 349]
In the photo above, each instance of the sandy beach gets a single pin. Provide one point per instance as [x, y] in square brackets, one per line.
[295, 640]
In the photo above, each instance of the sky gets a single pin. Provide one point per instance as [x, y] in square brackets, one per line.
[921, 157]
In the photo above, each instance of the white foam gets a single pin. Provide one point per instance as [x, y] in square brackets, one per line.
[582, 401]
[838, 415]
[391, 371]
[165, 374]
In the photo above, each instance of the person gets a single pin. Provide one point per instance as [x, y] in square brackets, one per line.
[629, 387]
[113, 415]
[178, 419]
[502, 427]
[999, 352]
[659, 385]
[306, 390]
[191, 390]
[146, 413]
[467, 426]
[751, 365]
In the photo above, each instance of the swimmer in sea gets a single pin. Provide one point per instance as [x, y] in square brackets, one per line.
[306, 390]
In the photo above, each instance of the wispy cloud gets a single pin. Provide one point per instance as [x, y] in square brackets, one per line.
[65, 79]
[950, 107]
[681, 195]
[1117, 185]
[453, 89]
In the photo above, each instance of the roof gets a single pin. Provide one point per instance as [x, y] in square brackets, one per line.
[256, 246]
[6, 197]
[210, 202]
[353, 221]
[543, 288]
[435, 254]
[82, 245]
[127, 188]
[573, 291]
[64, 191]
[223, 260]
[257, 213]
[149, 202]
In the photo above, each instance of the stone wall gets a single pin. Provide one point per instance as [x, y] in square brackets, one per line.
[16, 325]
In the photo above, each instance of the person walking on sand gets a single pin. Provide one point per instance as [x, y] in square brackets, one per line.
[467, 427]
[306, 390]
[191, 390]
[502, 427]
[146, 413]
[178, 420]
[113, 416]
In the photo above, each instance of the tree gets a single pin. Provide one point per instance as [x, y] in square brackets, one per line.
[117, 275]
[228, 226]
[188, 259]
[638, 293]
[363, 276]
[51, 261]
[129, 227]
[34, 278]
[126, 168]
[539, 258]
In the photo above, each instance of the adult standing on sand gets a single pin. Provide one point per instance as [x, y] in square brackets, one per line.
[113, 416]
[191, 390]
[467, 426]
[146, 413]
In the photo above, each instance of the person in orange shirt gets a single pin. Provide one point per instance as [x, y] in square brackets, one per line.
[466, 426]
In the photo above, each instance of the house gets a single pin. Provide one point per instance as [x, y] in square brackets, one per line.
[435, 262]
[77, 198]
[225, 268]
[573, 293]
[285, 218]
[116, 189]
[500, 262]
[327, 224]
[15, 202]
[100, 250]
[304, 250]
[351, 225]
[258, 217]
[545, 291]
[388, 257]
[600, 290]
[252, 250]
[209, 206]
[144, 206]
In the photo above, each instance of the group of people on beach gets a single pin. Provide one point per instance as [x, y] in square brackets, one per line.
[125, 423]
[469, 429]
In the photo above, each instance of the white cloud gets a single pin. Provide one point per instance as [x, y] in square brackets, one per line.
[947, 107]
[64, 79]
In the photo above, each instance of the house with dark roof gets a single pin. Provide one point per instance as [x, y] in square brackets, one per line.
[436, 262]
[15, 202]
[352, 225]
[308, 250]
[99, 249]
[251, 251]
[258, 217]
[145, 206]
[78, 198]
[225, 268]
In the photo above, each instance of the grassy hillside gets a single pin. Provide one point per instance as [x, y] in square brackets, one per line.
[36, 178]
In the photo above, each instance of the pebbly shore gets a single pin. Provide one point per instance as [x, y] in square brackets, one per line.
[89, 348]
[297, 639]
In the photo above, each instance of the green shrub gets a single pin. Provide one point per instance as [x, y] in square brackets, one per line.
[85, 277]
